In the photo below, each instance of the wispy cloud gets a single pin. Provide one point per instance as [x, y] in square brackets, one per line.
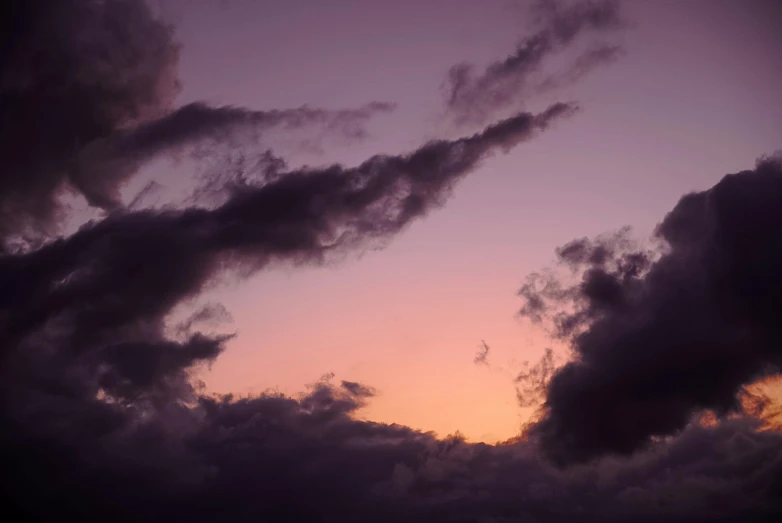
[474, 98]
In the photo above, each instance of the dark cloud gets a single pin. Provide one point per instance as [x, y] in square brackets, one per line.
[279, 458]
[102, 416]
[662, 333]
[474, 98]
[93, 378]
[101, 419]
[72, 71]
[86, 96]
[103, 166]
[115, 281]
[88, 315]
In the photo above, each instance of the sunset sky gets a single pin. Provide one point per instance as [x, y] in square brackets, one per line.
[695, 96]
[392, 261]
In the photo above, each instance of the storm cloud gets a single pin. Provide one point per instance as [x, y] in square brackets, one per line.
[665, 330]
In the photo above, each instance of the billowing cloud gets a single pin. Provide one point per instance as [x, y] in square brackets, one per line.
[662, 333]
[475, 98]
[87, 93]
[72, 72]
[306, 459]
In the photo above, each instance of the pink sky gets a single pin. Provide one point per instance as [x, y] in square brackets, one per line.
[695, 97]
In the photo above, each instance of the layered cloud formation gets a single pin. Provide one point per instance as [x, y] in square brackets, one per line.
[101, 417]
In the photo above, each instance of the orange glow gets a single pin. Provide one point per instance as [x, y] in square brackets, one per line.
[417, 351]
[763, 399]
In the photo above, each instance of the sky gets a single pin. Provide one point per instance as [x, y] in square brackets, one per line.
[694, 97]
[391, 261]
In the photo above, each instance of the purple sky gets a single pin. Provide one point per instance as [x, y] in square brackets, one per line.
[420, 261]
[695, 97]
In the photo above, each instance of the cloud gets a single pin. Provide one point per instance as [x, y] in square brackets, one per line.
[308, 459]
[481, 358]
[93, 373]
[585, 63]
[87, 94]
[532, 382]
[102, 417]
[103, 165]
[474, 98]
[662, 333]
[87, 315]
[101, 421]
[72, 72]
